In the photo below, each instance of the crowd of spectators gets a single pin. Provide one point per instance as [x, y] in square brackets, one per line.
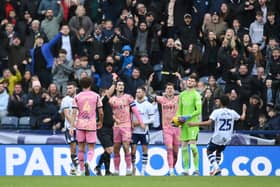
[232, 45]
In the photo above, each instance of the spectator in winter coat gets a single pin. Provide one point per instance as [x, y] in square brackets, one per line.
[188, 32]
[214, 87]
[207, 106]
[271, 27]
[274, 66]
[262, 125]
[81, 44]
[50, 25]
[49, 117]
[81, 65]
[248, 14]
[274, 121]
[32, 33]
[247, 84]
[192, 60]
[61, 71]
[98, 49]
[30, 7]
[141, 39]
[210, 58]
[106, 78]
[17, 55]
[26, 81]
[239, 31]
[144, 65]
[46, 5]
[256, 30]
[114, 43]
[93, 10]
[7, 34]
[42, 59]
[128, 29]
[154, 38]
[253, 111]
[132, 82]
[176, 9]
[34, 102]
[4, 98]
[126, 59]
[217, 26]
[11, 79]
[65, 43]
[16, 105]
[81, 20]
[111, 9]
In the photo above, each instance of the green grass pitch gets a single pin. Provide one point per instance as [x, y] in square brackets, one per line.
[182, 181]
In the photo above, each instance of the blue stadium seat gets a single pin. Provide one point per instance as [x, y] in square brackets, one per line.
[9, 122]
[24, 123]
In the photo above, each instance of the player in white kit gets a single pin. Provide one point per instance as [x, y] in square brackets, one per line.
[140, 134]
[223, 119]
[66, 111]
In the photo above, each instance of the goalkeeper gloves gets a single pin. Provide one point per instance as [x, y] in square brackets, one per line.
[183, 119]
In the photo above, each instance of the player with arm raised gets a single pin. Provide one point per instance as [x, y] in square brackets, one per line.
[171, 134]
[122, 104]
[189, 110]
[140, 134]
[223, 118]
[66, 111]
[105, 134]
[85, 105]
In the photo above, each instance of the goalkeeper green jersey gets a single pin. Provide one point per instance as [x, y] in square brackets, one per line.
[190, 104]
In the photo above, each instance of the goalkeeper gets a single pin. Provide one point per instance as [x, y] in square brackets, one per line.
[189, 110]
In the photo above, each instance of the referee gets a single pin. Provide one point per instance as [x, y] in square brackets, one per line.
[105, 134]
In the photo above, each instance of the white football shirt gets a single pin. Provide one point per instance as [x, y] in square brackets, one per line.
[146, 111]
[66, 103]
[224, 124]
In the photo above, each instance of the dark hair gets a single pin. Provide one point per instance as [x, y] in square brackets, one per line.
[194, 76]
[169, 84]
[86, 82]
[259, 13]
[72, 83]
[224, 100]
[119, 80]
[270, 13]
[63, 51]
[64, 24]
[195, 56]
[84, 58]
[142, 88]
[137, 69]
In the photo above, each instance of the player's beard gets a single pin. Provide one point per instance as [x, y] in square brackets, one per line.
[140, 99]
[190, 86]
[49, 18]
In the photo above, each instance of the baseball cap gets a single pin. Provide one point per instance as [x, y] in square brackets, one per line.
[187, 15]
[143, 54]
[215, 13]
